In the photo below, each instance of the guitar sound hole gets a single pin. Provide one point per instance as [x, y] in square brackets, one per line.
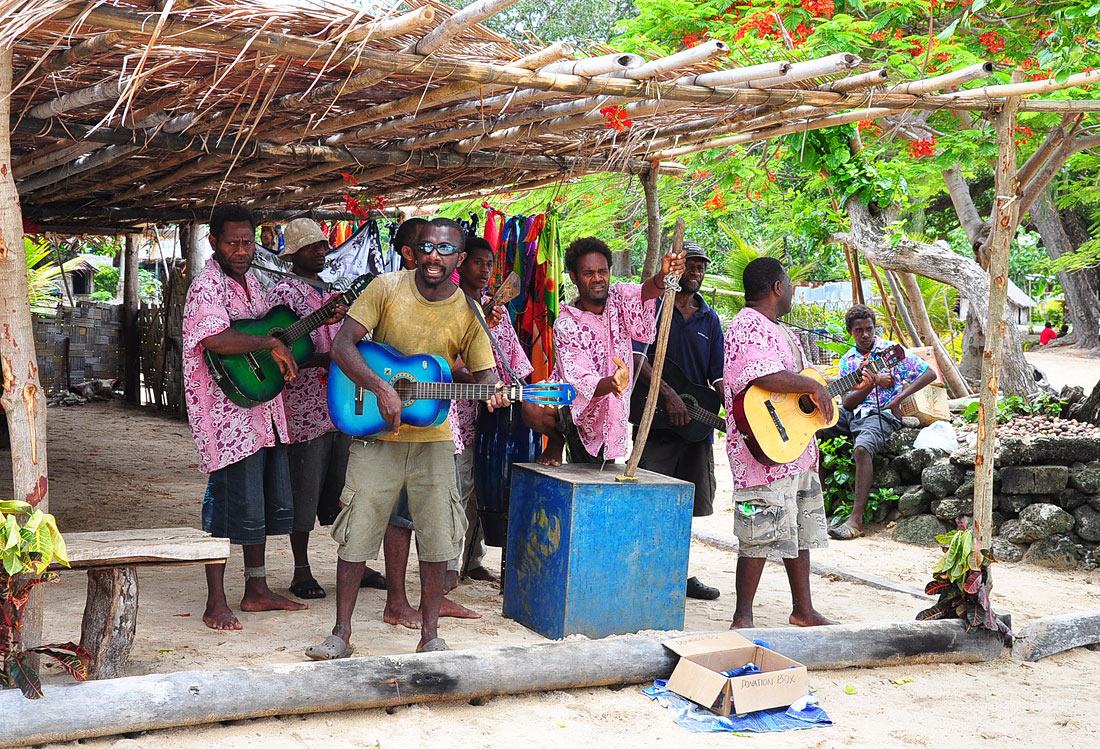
[404, 388]
[806, 404]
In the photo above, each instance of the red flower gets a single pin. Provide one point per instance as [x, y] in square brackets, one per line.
[615, 118]
[349, 178]
[353, 206]
[919, 149]
[869, 127]
[716, 202]
[700, 174]
[1025, 133]
[820, 8]
[992, 41]
[690, 40]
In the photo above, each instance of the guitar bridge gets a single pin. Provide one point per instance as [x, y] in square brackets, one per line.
[255, 365]
[775, 420]
[359, 397]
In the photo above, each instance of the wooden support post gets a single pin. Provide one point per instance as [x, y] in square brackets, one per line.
[886, 304]
[903, 305]
[110, 618]
[21, 397]
[653, 223]
[1005, 211]
[952, 380]
[131, 342]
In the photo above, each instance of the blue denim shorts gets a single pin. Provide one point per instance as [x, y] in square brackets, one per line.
[249, 500]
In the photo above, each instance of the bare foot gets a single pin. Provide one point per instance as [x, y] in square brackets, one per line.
[450, 608]
[450, 581]
[269, 601]
[219, 616]
[480, 573]
[552, 455]
[741, 622]
[813, 619]
[405, 615]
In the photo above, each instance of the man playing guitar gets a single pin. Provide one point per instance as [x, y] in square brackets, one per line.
[695, 346]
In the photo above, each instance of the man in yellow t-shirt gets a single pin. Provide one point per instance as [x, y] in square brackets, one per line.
[415, 312]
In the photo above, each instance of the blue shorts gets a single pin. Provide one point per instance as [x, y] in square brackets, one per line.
[249, 500]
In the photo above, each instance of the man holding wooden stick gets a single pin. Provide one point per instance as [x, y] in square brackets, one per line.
[592, 338]
[779, 510]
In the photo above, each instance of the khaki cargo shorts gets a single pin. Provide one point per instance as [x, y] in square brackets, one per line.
[777, 520]
[377, 472]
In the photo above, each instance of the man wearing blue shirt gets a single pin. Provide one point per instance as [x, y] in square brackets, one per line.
[871, 411]
[695, 346]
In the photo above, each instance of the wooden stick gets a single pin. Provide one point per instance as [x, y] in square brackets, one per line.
[103, 91]
[886, 304]
[99, 158]
[668, 302]
[96, 45]
[903, 305]
[857, 82]
[952, 380]
[1006, 205]
[456, 24]
[387, 28]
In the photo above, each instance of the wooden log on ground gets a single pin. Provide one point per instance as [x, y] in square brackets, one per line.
[141, 703]
[1053, 634]
[110, 619]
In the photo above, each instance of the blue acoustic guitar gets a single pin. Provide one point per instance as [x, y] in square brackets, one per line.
[424, 385]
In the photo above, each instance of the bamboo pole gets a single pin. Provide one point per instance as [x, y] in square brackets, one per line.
[940, 82]
[96, 45]
[1026, 88]
[1005, 218]
[859, 82]
[386, 28]
[22, 399]
[102, 91]
[451, 27]
[668, 303]
[801, 71]
[733, 76]
[593, 66]
[99, 158]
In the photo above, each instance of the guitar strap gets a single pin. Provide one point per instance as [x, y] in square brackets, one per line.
[794, 347]
[484, 326]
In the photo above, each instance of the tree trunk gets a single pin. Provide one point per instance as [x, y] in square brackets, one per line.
[939, 262]
[653, 223]
[1005, 219]
[977, 231]
[131, 342]
[1082, 304]
[952, 380]
[21, 396]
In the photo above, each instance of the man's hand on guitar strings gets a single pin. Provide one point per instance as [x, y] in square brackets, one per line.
[338, 312]
[282, 356]
[822, 400]
[389, 405]
[677, 411]
[499, 399]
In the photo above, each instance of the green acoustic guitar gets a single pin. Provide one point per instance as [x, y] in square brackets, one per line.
[254, 378]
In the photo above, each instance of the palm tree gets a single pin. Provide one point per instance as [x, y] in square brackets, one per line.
[42, 272]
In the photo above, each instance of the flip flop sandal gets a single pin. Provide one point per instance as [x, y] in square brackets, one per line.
[308, 589]
[844, 533]
[431, 646]
[374, 580]
[330, 649]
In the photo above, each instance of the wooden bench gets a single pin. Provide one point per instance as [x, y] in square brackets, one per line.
[112, 559]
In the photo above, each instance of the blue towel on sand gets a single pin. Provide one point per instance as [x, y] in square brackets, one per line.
[700, 720]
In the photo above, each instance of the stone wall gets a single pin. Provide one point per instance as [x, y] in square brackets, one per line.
[1046, 496]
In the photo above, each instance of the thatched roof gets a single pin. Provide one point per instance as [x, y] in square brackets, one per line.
[126, 113]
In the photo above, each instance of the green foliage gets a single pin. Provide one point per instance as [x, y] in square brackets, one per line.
[42, 272]
[107, 280]
[840, 481]
[573, 20]
[1014, 405]
[26, 550]
[828, 153]
[960, 579]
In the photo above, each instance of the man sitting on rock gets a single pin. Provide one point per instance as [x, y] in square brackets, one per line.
[871, 411]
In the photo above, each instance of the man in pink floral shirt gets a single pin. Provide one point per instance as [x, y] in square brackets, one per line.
[779, 511]
[317, 452]
[474, 275]
[243, 449]
[592, 343]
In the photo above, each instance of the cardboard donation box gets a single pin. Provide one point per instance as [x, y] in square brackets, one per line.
[698, 676]
[928, 355]
[928, 405]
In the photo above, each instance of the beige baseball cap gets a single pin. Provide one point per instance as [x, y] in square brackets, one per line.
[299, 233]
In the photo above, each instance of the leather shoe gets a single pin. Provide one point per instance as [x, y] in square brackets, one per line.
[696, 589]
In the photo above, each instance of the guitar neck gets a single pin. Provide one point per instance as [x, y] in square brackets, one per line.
[312, 321]
[458, 391]
[712, 420]
[850, 380]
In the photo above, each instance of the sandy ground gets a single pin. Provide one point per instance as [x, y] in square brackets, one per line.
[115, 466]
[1066, 367]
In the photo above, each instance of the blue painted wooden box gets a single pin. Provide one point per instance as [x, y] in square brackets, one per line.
[593, 556]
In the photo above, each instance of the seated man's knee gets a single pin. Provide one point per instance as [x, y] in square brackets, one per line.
[862, 453]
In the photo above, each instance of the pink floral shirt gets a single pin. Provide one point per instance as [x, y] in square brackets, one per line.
[306, 396]
[755, 347]
[584, 344]
[224, 432]
[464, 413]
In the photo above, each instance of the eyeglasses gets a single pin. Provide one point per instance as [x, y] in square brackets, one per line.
[443, 248]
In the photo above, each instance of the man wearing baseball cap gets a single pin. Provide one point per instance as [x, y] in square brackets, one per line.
[317, 452]
[695, 347]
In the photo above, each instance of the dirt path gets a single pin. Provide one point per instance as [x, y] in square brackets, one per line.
[113, 466]
[1066, 367]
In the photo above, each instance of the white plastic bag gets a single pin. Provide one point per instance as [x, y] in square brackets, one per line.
[939, 435]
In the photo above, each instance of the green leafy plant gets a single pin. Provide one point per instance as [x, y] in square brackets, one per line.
[42, 272]
[840, 481]
[26, 551]
[962, 587]
[1014, 405]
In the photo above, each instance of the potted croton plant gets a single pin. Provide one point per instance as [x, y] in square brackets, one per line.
[26, 550]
